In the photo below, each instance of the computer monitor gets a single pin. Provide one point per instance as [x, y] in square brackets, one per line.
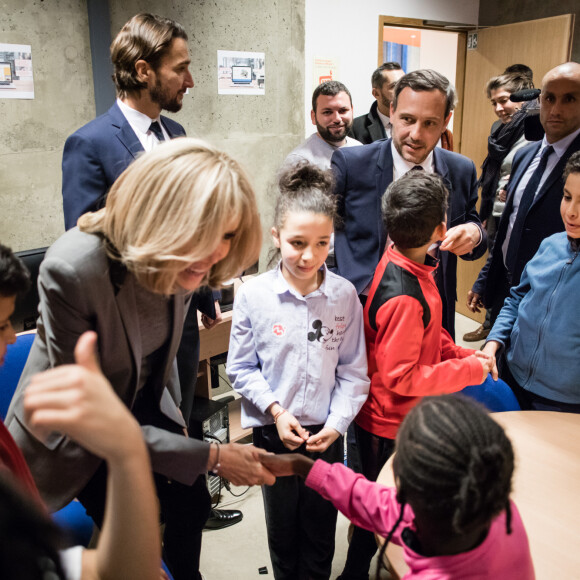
[241, 74]
[6, 73]
[26, 309]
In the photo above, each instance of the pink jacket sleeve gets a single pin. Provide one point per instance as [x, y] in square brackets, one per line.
[365, 503]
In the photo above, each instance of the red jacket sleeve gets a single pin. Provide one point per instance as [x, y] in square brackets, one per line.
[410, 365]
[451, 350]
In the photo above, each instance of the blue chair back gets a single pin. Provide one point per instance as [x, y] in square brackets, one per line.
[495, 395]
[14, 361]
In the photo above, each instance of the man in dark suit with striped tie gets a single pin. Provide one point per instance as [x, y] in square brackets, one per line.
[532, 211]
[422, 104]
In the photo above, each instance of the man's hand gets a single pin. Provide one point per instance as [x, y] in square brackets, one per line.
[322, 440]
[502, 194]
[461, 239]
[208, 322]
[474, 301]
[78, 400]
[241, 465]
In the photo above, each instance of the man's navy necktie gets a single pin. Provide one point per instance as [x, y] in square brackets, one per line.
[155, 128]
[525, 204]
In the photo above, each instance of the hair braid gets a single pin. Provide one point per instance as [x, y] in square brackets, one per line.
[456, 462]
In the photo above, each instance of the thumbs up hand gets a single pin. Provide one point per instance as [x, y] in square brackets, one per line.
[78, 400]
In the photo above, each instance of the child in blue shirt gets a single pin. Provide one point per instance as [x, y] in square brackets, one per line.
[538, 325]
[297, 356]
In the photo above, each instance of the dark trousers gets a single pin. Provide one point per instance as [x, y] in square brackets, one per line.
[301, 524]
[374, 452]
[352, 455]
[502, 291]
[184, 511]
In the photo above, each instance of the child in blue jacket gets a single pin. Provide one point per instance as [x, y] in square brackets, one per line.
[540, 321]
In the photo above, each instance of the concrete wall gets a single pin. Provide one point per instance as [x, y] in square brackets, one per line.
[496, 12]
[34, 131]
[256, 130]
[347, 31]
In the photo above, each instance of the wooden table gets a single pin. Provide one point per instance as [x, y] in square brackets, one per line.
[211, 343]
[546, 489]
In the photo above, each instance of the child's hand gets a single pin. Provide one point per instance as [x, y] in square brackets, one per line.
[486, 365]
[286, 464]
[322, 440]
[487, 356]
[291, 433]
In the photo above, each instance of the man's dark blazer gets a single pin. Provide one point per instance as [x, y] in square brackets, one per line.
[368, 128]
[362, 176]
[93, 158]
[542, 220]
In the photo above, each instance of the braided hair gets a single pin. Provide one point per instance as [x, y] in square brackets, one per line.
[454, 463]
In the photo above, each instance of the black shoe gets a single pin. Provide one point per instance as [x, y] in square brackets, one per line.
[222, 519]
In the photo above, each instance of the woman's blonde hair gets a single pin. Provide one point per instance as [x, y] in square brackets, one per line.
[172, 207]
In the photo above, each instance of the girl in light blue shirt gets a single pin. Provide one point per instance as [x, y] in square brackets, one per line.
[297, 356]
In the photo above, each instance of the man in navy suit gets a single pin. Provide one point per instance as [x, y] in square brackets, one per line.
[532, 211]
[421, 108]
[149, 77]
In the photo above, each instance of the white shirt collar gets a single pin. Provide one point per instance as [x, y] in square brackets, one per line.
[281, 284]
[401, 166]
[137, 120]
[384, 119]
[562, 145]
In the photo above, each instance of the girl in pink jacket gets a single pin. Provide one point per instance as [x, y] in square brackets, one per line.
[450, 510]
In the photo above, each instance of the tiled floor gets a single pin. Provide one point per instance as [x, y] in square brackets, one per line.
[237, 552]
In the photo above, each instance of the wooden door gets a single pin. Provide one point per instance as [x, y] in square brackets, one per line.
[540, 44]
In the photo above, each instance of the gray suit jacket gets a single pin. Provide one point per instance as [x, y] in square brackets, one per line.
[81, 289]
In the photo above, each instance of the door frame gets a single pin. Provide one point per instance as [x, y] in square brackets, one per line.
[460, 64]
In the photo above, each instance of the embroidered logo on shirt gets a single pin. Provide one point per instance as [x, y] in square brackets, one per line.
[279, 329]
[321, 333]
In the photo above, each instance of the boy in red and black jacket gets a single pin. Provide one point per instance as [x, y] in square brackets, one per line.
[409, 353]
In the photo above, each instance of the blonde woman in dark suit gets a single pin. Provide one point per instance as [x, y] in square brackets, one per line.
[181, 217]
